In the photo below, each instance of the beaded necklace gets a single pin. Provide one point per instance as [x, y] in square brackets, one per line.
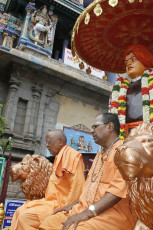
[99, 174]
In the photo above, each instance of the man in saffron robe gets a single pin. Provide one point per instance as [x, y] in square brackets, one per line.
[64, 186]
[103, 203]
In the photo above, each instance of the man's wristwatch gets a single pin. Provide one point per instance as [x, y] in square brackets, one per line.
[93, 210]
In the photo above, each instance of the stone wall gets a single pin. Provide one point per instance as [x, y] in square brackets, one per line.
[41, 95]
[36, 98]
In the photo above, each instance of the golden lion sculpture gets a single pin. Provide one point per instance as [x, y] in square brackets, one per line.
[34, 173]
[134, 160]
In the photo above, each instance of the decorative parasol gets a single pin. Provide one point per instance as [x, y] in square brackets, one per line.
[107, 27]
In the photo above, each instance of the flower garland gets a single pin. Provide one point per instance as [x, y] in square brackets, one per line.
[118, 103]
[115, 95]
[122, 106]
[150, 83]
[145, 97]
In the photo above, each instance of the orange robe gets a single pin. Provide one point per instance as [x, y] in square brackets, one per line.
[118, 217]
[65, 186]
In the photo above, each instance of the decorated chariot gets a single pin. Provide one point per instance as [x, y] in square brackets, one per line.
[117, 36]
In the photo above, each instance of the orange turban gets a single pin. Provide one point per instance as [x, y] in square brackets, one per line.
[142, 54]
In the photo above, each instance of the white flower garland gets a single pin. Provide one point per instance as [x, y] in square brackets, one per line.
[146, 97]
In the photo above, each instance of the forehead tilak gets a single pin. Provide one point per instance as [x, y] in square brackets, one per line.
[97, 123]
[133, 56]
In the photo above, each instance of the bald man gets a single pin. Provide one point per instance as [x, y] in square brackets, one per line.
[64, 186]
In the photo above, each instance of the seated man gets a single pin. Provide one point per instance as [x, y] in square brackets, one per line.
[64, 186]
[103, 204]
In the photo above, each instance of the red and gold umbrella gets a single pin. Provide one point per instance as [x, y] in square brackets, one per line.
[107, 27]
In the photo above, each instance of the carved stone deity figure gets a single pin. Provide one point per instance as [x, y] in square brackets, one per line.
[134, 160]
[41, 26]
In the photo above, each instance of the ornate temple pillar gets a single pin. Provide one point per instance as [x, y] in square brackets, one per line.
[36, 93]
[5, 35]
[65, 45]
[29, 8]
[2, 5]
[57, 52]
[11, 104]
[10, 28]
[44, 117]
[54, 21]
[40, 119]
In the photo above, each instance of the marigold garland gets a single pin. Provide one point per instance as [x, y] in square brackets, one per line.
[115, 95]
[145, 97]
[122, 106]
[118, 102]
[150, 83]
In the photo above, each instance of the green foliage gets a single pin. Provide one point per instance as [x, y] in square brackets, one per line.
[3, 125]
[3, 143]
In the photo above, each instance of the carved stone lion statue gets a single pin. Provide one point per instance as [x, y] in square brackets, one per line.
[34, 173]
[134, 160]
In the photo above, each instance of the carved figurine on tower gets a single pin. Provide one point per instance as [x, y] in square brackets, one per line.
[41, 26]
[37, 37]
[116, 36]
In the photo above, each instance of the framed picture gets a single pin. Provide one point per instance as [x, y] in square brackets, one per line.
[81, 141]
[47, 153]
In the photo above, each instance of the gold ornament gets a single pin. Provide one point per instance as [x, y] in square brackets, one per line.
[73, 35]
[105, 77]
[2, 213]
[140, 0]
[88, 71]
[73, 52]
[81, 65]
[113, 3]
[75, 59]
[131, 1]
[98, 10]
[77, 29]
[87, 19]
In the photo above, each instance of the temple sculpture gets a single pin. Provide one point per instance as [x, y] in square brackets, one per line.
[41, 27]
[10, 30]
[37, 37]
[134, 160]
[31, 171]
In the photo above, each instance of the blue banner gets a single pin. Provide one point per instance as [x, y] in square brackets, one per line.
[10, 207]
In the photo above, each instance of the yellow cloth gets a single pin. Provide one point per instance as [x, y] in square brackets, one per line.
[65, 186]
[119, 217]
